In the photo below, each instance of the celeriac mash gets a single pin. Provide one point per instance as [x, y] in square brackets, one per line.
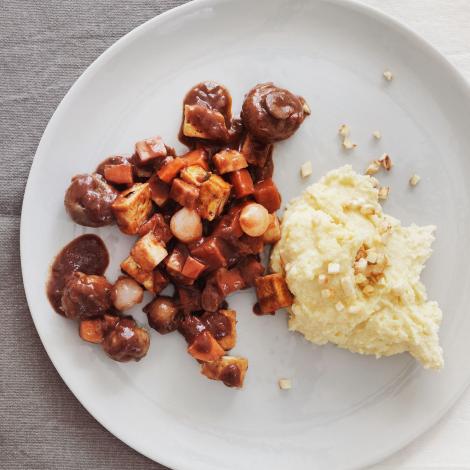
[354, 272]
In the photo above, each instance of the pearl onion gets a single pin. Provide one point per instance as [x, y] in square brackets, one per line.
[186, 225]
[126, 293]
[254, 219]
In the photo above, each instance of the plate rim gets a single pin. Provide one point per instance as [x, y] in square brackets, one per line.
[353, 5]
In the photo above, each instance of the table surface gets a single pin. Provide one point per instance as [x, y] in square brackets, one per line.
[44, 47]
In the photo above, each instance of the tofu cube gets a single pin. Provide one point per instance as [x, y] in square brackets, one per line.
[184, 193]
[213, 195]
[131, 267]
[149, 251]
[150, 149]
[228, 341]
[228, 160]
[132, 208]
[194, 174]
[203, 123]
[229, 370]
[205, 347]
[272, 293]
[118, 174]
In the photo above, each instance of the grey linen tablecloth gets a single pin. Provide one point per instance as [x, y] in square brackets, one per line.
[44, 47]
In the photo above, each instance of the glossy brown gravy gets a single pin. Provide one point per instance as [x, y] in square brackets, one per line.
[87, 254]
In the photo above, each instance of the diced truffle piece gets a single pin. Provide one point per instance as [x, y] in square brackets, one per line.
[132, 208]
[189, 298]
[160, 281]
[273, 293]
[229, 370]
[250, 269]
[256, 153]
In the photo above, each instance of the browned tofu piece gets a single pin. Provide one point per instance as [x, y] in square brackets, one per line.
[272, 293]
[132, 208]
[203, 123]
[229, 160]
[184, 193]
[149, 251]
[223, 326]
[205, 347]
[150, 149]
[131, 267]
[228, 369]
[213, 195]
[194, 174]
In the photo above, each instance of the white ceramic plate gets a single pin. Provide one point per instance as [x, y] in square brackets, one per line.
[344, 410]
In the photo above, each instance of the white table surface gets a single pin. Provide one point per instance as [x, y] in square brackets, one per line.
[446, 25]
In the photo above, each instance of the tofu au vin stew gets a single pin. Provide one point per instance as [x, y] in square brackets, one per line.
[201, 221]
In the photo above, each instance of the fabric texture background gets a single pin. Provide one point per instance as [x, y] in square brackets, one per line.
[44, 47]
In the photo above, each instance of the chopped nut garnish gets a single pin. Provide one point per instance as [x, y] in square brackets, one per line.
[373, 168]
[368, 290]
[343, 130]
[361, 279]
[388, 75]
[334, 268]
[306, 109]
[414, 180]
[375, 182]
[367, 209]
[383, 192]
[377, 135]
[386, 161]
[348, 145]
[322, 279]
[371, 256]
[339, 307]
[306, 169]
[285, 384]
[348, 287]
[361, 264]
[326, 293]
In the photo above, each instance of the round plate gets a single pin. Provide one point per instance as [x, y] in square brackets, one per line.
[344, 410]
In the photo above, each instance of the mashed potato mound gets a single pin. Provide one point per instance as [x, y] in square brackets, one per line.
[354, 272]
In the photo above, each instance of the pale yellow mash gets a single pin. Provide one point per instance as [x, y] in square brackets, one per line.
[355, 272]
